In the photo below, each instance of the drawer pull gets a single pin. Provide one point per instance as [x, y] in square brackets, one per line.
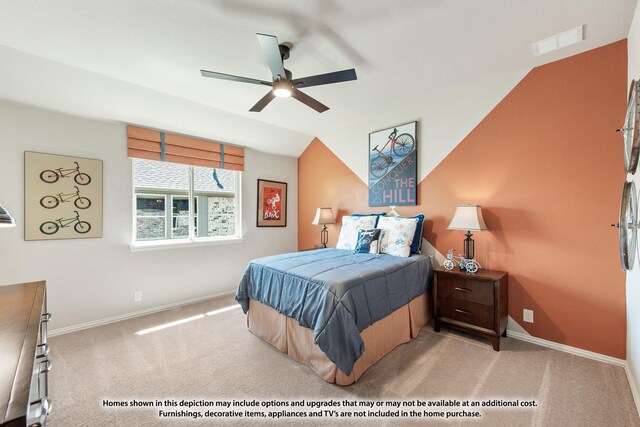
[44, 350]
[462, 289]
[463, 311]
[41, 408]
[47, 367]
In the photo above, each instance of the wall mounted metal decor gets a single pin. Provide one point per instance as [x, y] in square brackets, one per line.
[62, 197]
[393, 166]
[628, 226]
[631, 131]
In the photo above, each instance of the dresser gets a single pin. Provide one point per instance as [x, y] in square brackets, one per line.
[24, 355]
[475, 303]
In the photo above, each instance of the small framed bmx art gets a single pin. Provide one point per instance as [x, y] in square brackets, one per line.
[272, 204]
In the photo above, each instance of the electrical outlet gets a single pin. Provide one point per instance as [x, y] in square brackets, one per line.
[137, 295]
[527, 315]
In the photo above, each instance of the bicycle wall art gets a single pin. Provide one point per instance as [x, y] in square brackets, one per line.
[393, 166]
[62, 197]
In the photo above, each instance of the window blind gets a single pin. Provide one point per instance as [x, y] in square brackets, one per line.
[167, 147]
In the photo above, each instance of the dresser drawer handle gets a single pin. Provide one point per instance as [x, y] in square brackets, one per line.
[47, 366]
[44, 350]
[41, 408]
[463, 311]
[462, 289]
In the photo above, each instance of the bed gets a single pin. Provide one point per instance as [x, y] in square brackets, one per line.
[334, 310]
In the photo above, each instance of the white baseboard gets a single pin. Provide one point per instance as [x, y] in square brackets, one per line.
[633, 385]
[567, 349]
[106, 321]
[583, 353]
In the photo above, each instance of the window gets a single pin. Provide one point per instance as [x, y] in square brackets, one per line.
[175, 202]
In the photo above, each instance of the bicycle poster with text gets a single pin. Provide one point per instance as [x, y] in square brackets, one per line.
[393, 166]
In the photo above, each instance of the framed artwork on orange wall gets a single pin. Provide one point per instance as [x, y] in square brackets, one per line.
[393, 166]
[272, 204]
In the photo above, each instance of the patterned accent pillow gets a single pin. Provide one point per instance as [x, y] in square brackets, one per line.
[397, 235]
[368, 240]
[350, 227]
[417, 237]
[371, 214]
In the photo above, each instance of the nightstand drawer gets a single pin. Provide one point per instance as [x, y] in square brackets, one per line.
[467, 312]
[465, 290]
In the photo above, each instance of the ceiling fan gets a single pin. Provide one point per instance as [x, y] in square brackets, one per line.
[283, 85]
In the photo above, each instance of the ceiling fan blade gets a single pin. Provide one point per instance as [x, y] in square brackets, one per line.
[271, 50]
[263, 102]
[240, 79]
[325, 79]
[309, 101]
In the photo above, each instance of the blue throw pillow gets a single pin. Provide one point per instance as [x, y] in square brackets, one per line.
[378, 215]
[365, 238]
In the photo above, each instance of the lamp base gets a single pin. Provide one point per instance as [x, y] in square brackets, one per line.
[324, 236]
[468, 246]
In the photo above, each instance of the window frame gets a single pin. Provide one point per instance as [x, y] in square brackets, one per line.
[192, 240]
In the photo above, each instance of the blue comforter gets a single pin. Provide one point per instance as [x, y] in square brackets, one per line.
[336, 293]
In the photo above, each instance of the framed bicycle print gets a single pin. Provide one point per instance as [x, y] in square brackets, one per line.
[393, 166]
[272, 204]
[62, 197]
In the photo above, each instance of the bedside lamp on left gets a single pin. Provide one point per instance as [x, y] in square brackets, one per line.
[323, 217]
[6, 220]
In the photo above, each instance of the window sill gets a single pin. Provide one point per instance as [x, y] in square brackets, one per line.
[174, 244]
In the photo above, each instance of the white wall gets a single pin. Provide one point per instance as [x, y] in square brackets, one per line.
[442, 124]
[93, 279]
[633, 277]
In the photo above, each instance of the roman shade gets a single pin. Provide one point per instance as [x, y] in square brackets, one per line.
[167, 147]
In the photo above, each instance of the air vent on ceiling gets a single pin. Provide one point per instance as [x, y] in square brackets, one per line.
[567, 38]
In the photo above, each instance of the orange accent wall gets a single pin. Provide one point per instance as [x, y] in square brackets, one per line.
[546, 165]
[327, 182]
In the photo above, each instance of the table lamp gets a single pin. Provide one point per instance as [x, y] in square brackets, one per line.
[323, 217]
[469, 218]
[6, 220]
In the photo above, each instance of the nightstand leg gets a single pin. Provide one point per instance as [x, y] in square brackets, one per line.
[496, 343]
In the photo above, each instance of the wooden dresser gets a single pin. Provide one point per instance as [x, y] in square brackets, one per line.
[24, 355]
[475, 303]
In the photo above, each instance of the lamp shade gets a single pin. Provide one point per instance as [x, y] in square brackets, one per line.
[324, 216]
[6, 220]
[467, 217]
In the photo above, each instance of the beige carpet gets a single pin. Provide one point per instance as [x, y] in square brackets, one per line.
[215, 358]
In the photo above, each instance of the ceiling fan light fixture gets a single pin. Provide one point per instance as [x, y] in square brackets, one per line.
[283, 85]
[282, 89]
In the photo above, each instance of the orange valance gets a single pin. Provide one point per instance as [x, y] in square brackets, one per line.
[167, 147]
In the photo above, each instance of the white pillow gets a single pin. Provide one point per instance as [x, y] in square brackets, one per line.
[349, 232]
[397, 234]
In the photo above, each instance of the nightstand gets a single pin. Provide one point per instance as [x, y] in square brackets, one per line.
[475, 303]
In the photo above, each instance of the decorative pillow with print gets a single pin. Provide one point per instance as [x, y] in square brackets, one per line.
[371, 214]
[350, 227]
[397, 235]
[368, 240]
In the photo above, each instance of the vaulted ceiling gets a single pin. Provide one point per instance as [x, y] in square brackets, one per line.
[139, 61]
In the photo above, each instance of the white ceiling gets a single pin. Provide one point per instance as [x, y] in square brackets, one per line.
[139, 61]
